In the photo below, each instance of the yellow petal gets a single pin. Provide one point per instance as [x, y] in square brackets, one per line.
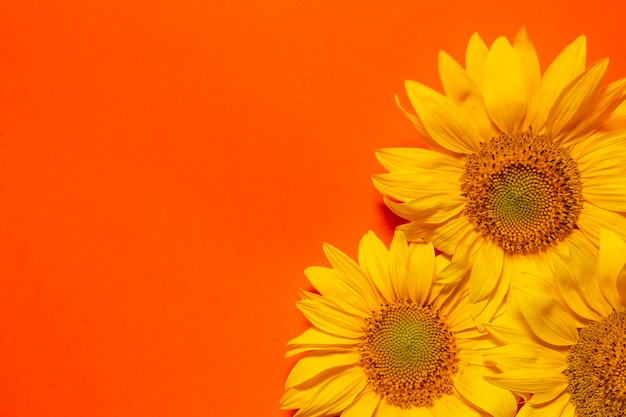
[554, 408]
[609, 99]
[398, 263]
[505, 91]
[374, 258]
[569, 288]
[328, 317]
[546, 317]
[447, 236]
[463, 91]
[336, 394]
[485, 309]
[476, 390]
[527, 381]
[442, 120]
[315, 339]
[475, 59]
[539, 398]
[617, 119]
[510, 331]
[608, 191]
[592, 219]
[335, 286]
[316, 363]
[566, 66]
[451, 405]
[486, 271]
[457, 85]
[621, 287]
[344, 264]
[421, 268]
[418, 184]
[611, 261]
[458, 266]
[526, 356]
[364, 405]
[525, 50]
[407, 159]
[574, 102]
[417, 123]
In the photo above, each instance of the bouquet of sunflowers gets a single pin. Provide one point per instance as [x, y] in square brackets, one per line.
[504, 293]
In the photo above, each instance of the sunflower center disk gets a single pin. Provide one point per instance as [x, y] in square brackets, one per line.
[409, 354]
[523, 191]
[597, 368]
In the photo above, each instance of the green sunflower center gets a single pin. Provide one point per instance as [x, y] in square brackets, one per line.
[597, 368]
[523, 191]
[409, 354]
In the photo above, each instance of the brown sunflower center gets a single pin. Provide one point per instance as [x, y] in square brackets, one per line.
[523, 191]
[409, 354]
[597, 368]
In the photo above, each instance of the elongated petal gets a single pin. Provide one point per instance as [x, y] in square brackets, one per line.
[450, 405]
[574, 102]
[457, 85]
[526, 356]
[617, 119]
[416, 185]
[610, 262]
[329, 318]
[475, 59]
[315, 339]
[505, 91]
[592, 219]
[609, 99]
[364, 405]
[335, 395]
[529, 63]
[566, 67]
[548, 409]
[316, 363]
[486, 271]
[407, 159]
[335, 286]
[374, 257]
[447, 236]
[569, 289]
[421, 269]
[535, 380]
[398, 263]
[546, 317]
[442, 120]
[419, 126]
[461, 89]
[484, 395]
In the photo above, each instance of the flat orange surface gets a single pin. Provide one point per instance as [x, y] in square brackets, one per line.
[168, 168]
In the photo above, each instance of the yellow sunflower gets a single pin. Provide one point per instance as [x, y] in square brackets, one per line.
[576, 364]
[518, 162]
[387, 341]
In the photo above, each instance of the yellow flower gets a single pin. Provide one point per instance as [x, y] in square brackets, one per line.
[518, 163]
[388, 341]
[576, 364]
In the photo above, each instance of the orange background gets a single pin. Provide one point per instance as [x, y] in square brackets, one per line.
[168, 168]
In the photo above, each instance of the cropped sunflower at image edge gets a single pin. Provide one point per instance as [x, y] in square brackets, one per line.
[387, 340]
[570, 352]
[519, 163]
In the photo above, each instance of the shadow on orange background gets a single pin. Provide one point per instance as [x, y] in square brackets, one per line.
[169, 168]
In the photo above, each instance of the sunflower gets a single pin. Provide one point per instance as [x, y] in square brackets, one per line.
[387, 341]
[518, 163]
[572, 355]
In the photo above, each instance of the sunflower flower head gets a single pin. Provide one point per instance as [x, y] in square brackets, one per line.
[519, 162]
[570, 350]
[385, 339]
